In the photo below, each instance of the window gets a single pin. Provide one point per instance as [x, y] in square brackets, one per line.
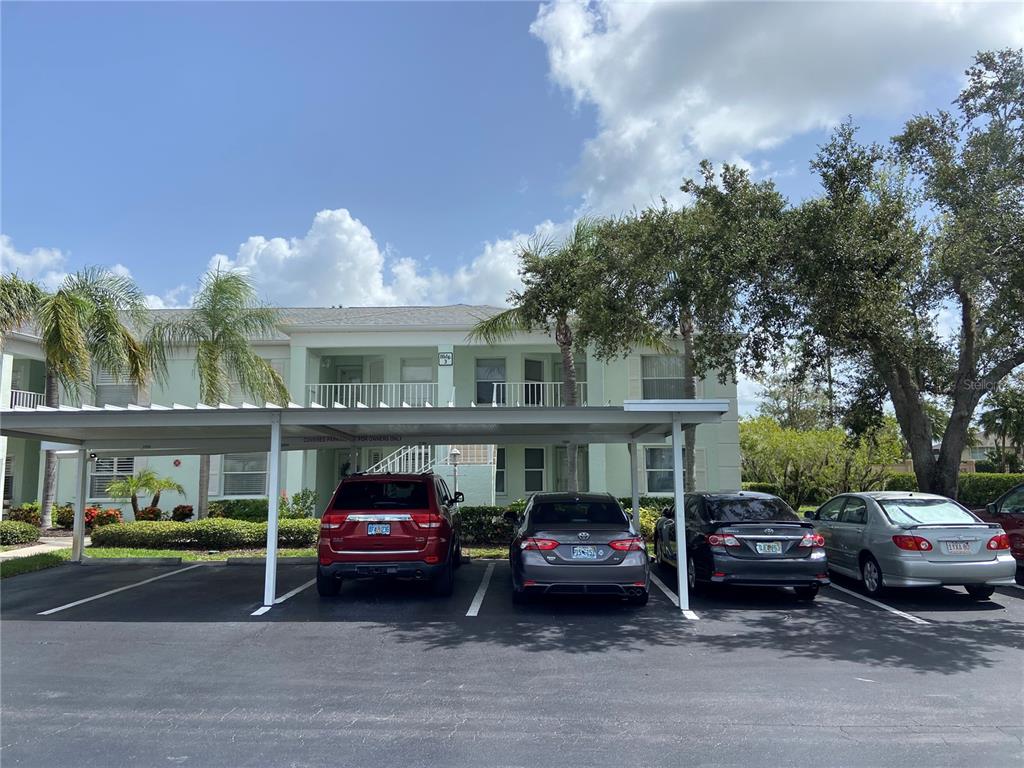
[925, 512]
[390, 494]
[533, 470]
[8, 478]
[245, 474]
[739, 509]
[499, 471]
[855, 511]
[830, 511]
[576, 513]
[658, 464]
[111, 391]
[105, 471]
[490, 371]
[417, 380]
[1014, 503]
[662, 377]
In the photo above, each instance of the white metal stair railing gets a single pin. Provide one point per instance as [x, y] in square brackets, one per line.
[536, 394]
[407, 460]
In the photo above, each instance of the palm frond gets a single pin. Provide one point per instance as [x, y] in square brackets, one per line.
[18, 301]
[501, 326]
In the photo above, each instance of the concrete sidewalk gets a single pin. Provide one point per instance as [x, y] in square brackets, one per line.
[46, 544]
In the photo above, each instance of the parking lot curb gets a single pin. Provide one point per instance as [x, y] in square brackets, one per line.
[131, 560]
[262, 560]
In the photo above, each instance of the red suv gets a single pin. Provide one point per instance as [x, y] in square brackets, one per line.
[399, 526]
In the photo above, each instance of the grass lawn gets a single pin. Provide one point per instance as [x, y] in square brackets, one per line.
[31, 563]
[192, 554]
[478, 552]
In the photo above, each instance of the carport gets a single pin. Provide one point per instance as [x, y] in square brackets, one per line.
[162, 430]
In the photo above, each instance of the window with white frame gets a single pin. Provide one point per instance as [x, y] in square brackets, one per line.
[662, 377]
[245, 474]
[107, 469]
[658, 468]
[490, 371]
[533, 470]
[114, 391]
[8, 478]
[499, 471]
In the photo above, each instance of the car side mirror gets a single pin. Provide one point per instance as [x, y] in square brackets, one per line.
[510, 517]
[459, 497]
[809, 514]
[992, 509]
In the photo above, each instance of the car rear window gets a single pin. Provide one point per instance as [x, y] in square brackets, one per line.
[573, 513]
[740, 510]
[390, 494]
[925, 512]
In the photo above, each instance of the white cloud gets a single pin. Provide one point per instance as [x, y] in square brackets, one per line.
[674, 82]
[46, 266]
[338, 261]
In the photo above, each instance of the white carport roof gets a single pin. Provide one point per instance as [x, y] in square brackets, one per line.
[154, 430]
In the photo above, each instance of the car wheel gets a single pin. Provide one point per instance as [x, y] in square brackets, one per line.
[640, 599]
[326, 585]
[980, 591]
[458, 553]
[806, 593]
[871, 576]
[444, 582]
[691, 577]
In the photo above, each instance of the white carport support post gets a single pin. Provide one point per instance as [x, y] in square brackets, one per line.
[273, 493]
[634, 486]
[78, 528]
[679, 486]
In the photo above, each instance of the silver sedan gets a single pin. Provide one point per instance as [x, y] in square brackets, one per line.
[902, 539]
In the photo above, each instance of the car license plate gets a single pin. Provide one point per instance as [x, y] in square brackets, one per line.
[378, 529]
[584, 553]
[958, 547]
[768, 547]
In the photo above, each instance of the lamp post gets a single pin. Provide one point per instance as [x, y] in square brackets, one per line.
[453, 459]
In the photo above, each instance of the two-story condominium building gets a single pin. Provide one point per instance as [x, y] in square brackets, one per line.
[387, 357]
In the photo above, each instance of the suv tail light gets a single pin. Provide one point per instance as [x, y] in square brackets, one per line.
[333, 520]
[427, 519]
[912, 543]
[636, 544]
[812, 540]
[723, 540]
[541, 544]
[1002, 541]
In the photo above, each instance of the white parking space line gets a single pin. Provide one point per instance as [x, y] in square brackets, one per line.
[261, 610]
[294, 592]
[672, 596]
[119, 589]
[478, 598]
[883, 606]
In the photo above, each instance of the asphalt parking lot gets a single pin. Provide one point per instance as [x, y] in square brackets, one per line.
[169, 666]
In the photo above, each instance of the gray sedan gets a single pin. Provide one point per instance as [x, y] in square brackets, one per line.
[578, 543]
[901, 539]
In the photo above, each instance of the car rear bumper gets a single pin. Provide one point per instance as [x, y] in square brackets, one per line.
[769, 573]
[416, 570]
[606, 578]
[899, 572]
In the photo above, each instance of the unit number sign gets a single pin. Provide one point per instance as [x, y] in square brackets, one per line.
[445, 358]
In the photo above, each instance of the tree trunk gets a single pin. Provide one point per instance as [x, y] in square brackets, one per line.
[203, 502]
[135, 505]
[689, 393]
[156, 500]
[563, 337]
[50, 460]
[914, 424]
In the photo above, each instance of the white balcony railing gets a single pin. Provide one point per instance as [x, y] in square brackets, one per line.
[22, 399]
[541, 394]
[389, 395]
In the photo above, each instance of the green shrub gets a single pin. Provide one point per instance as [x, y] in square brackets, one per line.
[484, 525]
[252, 510]
[181, 513]
[301, 504]
[649, 517]
[978, 489]
[901, 481]
[300, 532]
[149, 513]
[653, 502]
[64, 516]
[17, 532]
[27, 513]
[217, 533]
[144, 535]
[771, 488]
[214, 533]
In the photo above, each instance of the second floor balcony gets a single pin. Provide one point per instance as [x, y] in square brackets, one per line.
[539, 394]
[23, 399]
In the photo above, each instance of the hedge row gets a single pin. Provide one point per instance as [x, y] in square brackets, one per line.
[976, 489]
[212, 533]
[17, 532]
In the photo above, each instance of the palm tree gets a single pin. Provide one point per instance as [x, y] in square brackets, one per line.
[1004, 417]
[225, 317]
[553, 277]
[144, 481]
[88, 321]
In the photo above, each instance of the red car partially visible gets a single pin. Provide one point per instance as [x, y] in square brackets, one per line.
[391, 526]
[1008, 511]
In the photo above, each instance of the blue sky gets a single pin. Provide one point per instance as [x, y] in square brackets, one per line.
[394, 153]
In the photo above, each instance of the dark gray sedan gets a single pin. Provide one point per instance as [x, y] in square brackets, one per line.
[578, 543]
